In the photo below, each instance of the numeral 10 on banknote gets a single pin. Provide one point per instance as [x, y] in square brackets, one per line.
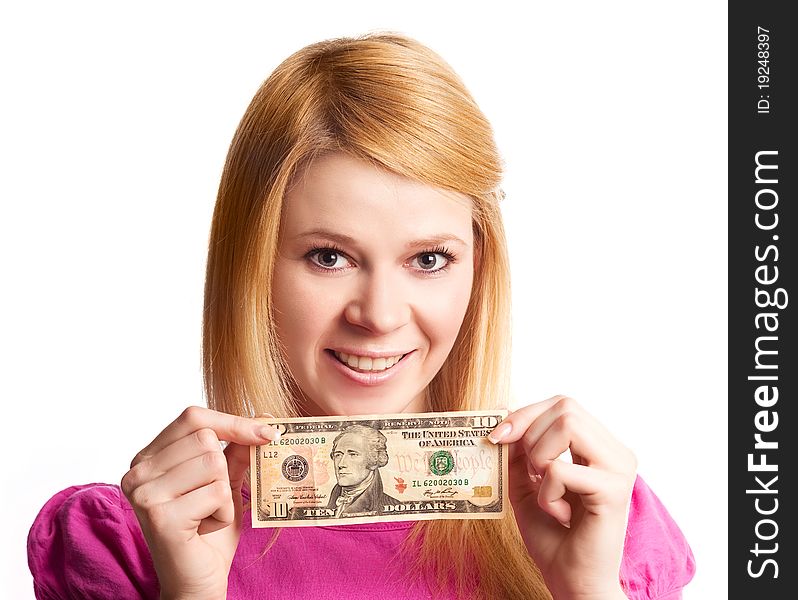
[380, 468]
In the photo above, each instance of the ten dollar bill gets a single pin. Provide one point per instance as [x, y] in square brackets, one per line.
[372, 468]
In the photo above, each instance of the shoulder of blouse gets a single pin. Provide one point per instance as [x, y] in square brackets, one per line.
[657, 560]
[86, 543]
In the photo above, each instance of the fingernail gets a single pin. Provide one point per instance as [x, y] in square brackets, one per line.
[533, 474]
[566, 524]
[269, 433]
[500, 432]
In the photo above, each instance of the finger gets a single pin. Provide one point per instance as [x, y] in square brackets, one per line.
[227, 427]
[561, 477]
[602, 494]
[569, 431]
[153, 468]
[591, 440]
[513, 427]
[184, 478]
[196, 444]
[198, 473]
[191, 510]
[596, 441]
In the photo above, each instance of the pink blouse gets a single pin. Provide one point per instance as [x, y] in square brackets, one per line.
[86, 543]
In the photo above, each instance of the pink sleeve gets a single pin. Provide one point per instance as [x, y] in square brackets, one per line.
[657, 561]
[87, 543]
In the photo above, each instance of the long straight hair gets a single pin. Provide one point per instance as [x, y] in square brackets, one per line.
[387, 99]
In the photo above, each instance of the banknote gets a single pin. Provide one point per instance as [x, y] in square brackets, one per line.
[371, 468]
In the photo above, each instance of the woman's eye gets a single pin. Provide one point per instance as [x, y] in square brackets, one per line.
[327, 258]
[432, 261]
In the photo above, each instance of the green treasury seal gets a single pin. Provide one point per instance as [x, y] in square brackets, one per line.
[441, 462]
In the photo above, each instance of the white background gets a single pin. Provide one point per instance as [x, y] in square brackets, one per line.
[115, 121]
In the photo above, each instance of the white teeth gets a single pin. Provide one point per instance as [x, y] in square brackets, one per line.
[366, 363]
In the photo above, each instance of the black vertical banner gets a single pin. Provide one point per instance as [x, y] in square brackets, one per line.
[763, 367]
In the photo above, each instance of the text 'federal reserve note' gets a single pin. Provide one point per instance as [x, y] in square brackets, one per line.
[373, 468]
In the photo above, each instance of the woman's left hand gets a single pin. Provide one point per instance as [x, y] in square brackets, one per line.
[572, 516]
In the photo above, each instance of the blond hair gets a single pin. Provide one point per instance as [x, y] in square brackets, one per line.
[387, 99]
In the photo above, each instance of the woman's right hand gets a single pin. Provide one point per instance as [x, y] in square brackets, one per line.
[186, 493]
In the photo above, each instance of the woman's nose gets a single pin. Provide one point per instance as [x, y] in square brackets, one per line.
[379, 303]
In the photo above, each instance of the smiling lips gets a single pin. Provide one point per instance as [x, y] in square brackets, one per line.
[366, 364]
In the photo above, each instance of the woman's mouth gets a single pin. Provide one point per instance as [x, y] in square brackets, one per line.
[366, 364]
[376, 373]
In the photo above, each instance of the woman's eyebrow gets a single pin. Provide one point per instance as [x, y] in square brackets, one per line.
[435, 239]
[345, 239]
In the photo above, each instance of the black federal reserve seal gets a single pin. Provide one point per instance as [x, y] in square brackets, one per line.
[441, 462]
[295, 468]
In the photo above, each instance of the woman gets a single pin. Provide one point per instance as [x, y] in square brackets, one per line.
[357, 265]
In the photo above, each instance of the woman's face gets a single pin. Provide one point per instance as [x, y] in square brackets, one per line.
[372, 267]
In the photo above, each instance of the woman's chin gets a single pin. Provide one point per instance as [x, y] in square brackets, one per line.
[373, 406]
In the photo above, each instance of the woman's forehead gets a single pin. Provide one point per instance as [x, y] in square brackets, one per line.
[343, 195]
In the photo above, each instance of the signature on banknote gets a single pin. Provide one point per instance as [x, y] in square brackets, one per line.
[444, 493]
[307, 496]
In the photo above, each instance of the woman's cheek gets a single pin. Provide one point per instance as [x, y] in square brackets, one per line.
[446, 308]
[296, 303]
[310, 309]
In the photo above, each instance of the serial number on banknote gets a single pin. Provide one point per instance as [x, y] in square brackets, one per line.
[380, 468]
